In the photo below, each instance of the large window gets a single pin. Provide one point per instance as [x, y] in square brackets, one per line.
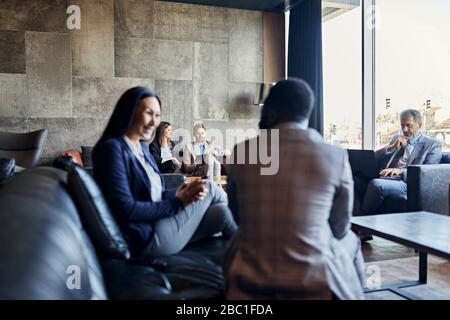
[412, 66]
[342, 72]
[406, 59]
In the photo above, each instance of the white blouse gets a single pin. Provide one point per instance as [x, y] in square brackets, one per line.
[153, 176]
[166, 154]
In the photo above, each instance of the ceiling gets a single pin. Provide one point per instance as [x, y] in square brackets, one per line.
[260, 5]
[330, 8]
[334, 8]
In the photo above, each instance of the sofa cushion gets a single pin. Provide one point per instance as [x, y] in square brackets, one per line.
[96, 216]
[126, 281]
[194, 273]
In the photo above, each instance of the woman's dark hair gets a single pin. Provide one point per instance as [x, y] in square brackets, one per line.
[159, 136]
[123, 114]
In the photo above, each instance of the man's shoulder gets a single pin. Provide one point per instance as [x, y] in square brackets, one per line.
[312, 138]
[333, 153]
[316, 141]
[426, 139]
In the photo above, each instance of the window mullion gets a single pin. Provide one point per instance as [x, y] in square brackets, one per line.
[368, 73]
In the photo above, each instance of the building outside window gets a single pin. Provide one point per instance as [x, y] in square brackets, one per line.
[412, 66]
[412, 69]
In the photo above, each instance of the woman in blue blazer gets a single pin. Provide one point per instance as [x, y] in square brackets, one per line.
[155, 221]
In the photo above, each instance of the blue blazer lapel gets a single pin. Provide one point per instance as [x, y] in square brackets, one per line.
[418, 149]
[137, 167]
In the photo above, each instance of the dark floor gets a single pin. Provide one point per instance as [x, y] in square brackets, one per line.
[395, 263]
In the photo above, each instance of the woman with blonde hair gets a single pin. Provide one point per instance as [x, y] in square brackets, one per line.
[199, 157]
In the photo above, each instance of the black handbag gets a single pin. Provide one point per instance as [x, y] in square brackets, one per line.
[200, 170]
[7, 166]
[63, 162]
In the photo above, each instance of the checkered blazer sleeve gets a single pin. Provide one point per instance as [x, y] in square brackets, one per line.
[343, 201]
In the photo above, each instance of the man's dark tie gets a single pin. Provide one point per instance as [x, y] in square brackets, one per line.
[202, 151]
[395, 158]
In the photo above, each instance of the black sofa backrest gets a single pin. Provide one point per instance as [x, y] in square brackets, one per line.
[44, 251]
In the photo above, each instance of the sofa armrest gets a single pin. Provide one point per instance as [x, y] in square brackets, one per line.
[428, 188]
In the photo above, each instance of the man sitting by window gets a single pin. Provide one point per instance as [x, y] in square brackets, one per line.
[412, 147]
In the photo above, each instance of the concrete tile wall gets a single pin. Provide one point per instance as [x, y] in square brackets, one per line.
[49, 71]
[14, 124]
[66, 133]
[33, 15]
[133, 18]
[97, 97]
[246, 45]
[156, 59]
[202, 61]
[240, 101]
[188, 22]
[177, 102]
[12, 51]
[211, 80]
[93, 44]
[14, 100]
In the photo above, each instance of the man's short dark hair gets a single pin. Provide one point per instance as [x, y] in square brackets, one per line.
[411, 113]
[292, 97]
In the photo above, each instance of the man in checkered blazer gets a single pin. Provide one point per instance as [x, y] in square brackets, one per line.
[294, 239]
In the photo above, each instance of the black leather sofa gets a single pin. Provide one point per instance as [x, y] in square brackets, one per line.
[46, 251]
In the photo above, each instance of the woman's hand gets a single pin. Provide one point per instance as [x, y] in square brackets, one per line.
[175, 160]
[193, 191]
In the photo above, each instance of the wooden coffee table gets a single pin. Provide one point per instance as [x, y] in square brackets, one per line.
[428, 233]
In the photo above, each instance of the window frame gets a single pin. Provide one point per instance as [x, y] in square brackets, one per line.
[368, 25]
